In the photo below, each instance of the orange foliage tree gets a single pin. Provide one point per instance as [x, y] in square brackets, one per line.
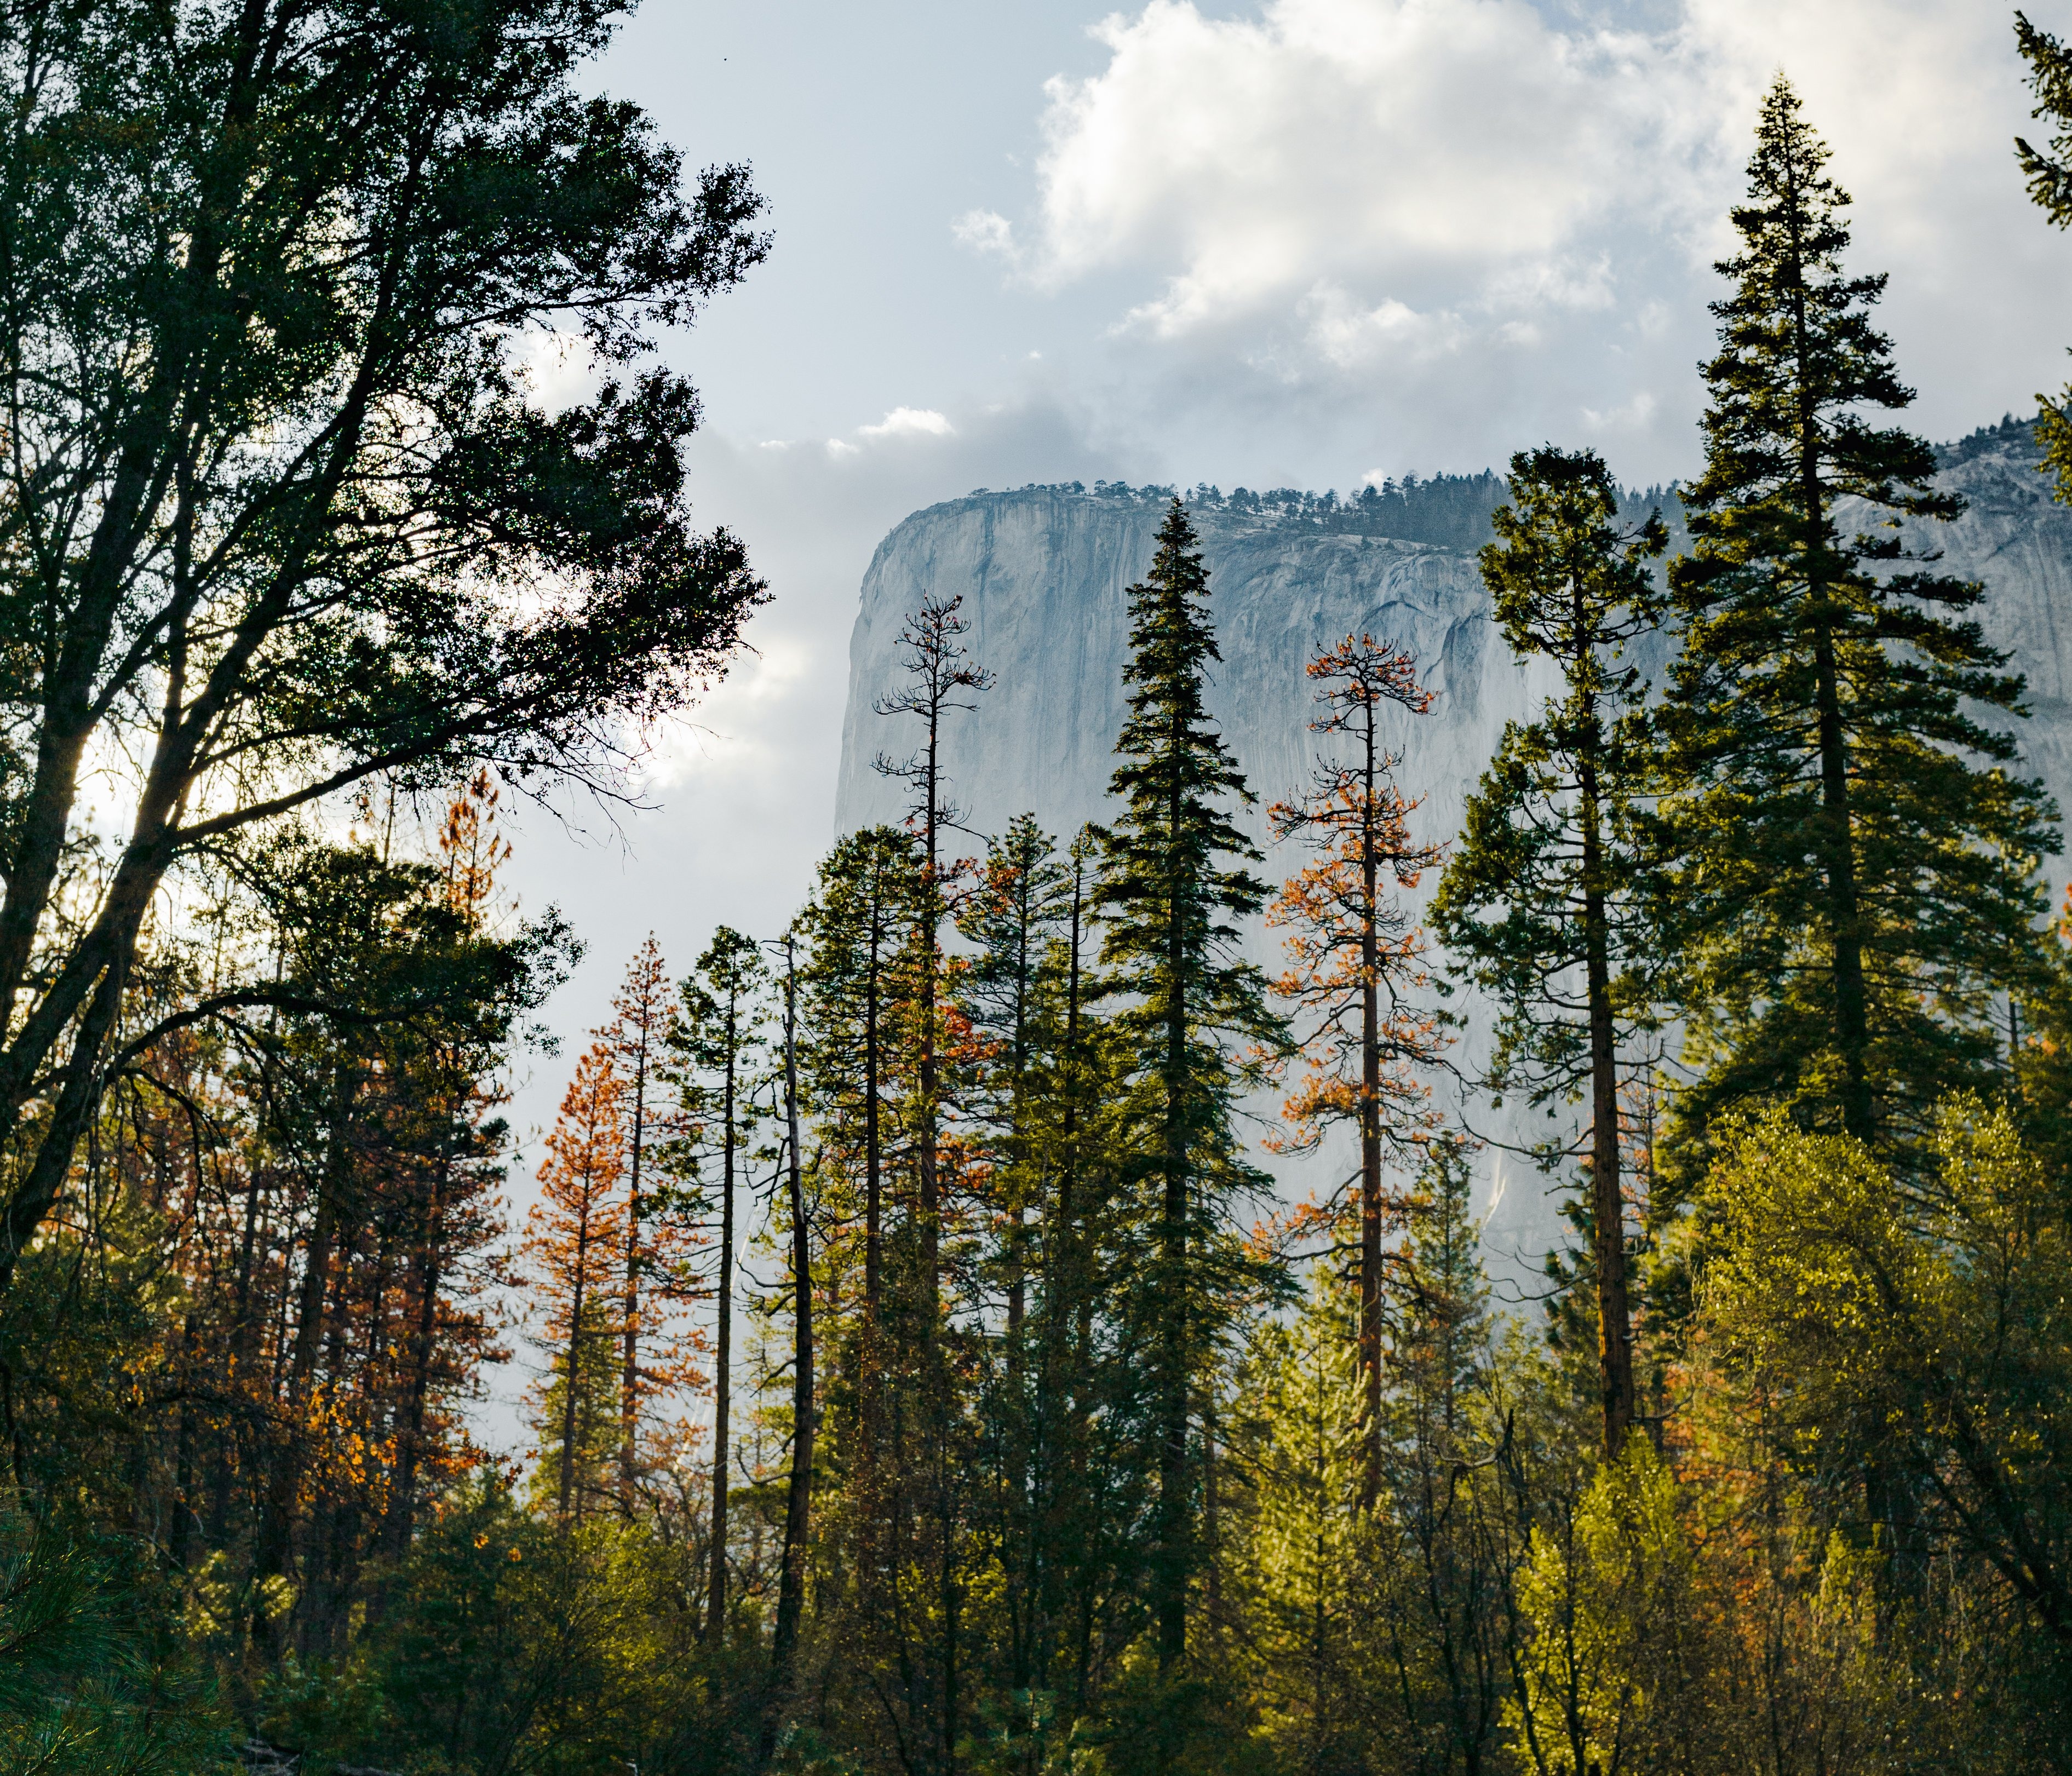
[655, 1282]
[575, 1238]
[1355, 956]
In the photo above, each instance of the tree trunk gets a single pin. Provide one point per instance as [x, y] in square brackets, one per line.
[1607, 1205]
[572, 1368]
[798, 1495]
[629, 1374]
[874, 1249]
[277, 1521]
[1171, 1588]
[723, 1352]
[1851, 1018]
[1369, 1127]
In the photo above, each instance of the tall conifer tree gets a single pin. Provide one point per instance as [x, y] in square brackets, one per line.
[1356, 955]
[1541, 903]
[716, 1044]
[573, 1236]
[641, 1014]
[1173, 886]
[859, 981]
[1855, 861]
[942, 681]
[2049, 171]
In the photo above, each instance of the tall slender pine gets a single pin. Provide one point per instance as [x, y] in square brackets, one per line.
[1356, 957]
[1173, 886]
[716, 1045]
[1542, 904]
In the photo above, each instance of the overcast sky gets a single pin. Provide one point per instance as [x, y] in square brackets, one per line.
[1303, 242]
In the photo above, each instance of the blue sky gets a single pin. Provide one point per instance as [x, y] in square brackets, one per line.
[1295, 243]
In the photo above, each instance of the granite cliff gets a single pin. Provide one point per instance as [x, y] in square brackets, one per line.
[1043, 572]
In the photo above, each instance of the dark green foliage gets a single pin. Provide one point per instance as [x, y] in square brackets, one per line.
[95, 1678]
[1549, 866]
[1545, 900]
[2049, 173]
[717, 1053]
[1855, 867]
[281, 496]
[1173, 888]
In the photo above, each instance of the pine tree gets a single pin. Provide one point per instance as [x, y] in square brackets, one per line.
[716, 1046]
[1173, 887]
[941, 681]
[1084, 1493]
[1012, 919]
[1445, 1613]
[799, 1483]
[1542, 903]
[1009, 919]
[2050, 173]
[641, 1014]
[857, 981]
[1855, 861]
[573, 1237]
[1352, 947]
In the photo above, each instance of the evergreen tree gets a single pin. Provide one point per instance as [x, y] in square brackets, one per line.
[859, 980]
[941, 681]
[1542, 903]
[1307, 1562]
[1856, 862]
[1445, 1574]
[1013, 918]
[641, 1014]
[1008, 920]
[573, 1238]
[1172, 887]
[798, 1482]
[2050, 173]
[1356, 956]
[715, 1044]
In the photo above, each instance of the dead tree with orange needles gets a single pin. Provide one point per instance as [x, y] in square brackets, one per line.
[574, 1238]
[1356, 957]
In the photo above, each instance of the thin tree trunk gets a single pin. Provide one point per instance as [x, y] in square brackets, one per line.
[723, 1352]
[402, 1508]
[873, 1248]
[629, 1377]
[572, 1364]
[931, 1228]
[798, 1496]
[1607, 1203]
[1370, 1126]
[1171, 1606]
[277, 1525]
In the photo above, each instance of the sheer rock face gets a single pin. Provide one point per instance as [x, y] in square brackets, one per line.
[1044, 575]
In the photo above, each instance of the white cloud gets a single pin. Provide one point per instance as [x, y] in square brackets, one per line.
[1406, 151]
[987, 231]
[1465, 222]
[909, 422]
